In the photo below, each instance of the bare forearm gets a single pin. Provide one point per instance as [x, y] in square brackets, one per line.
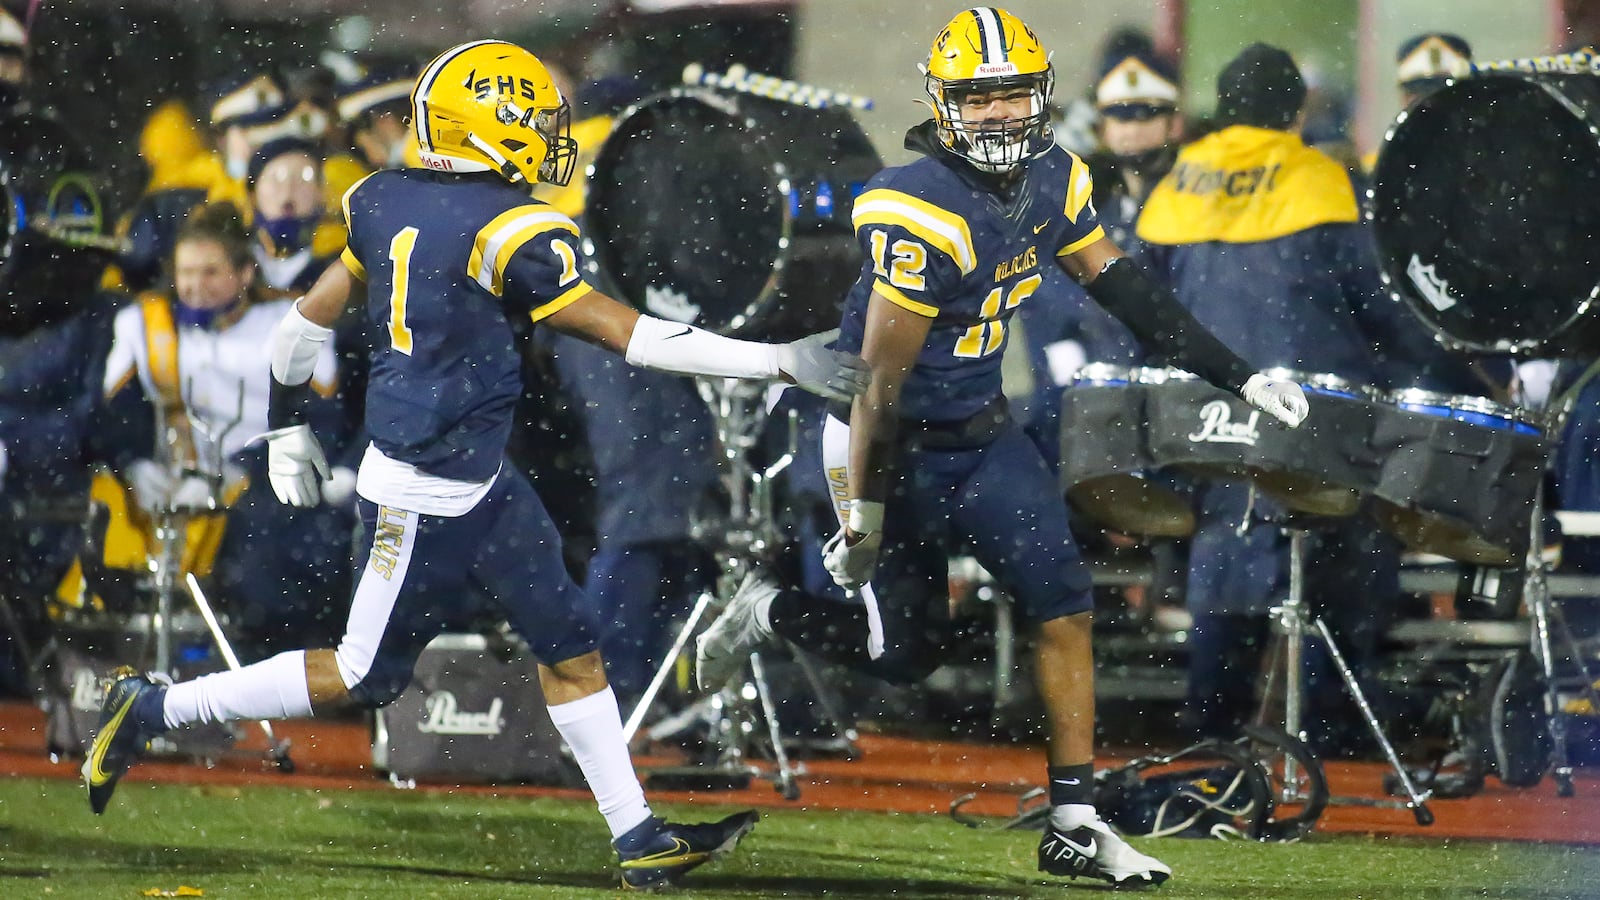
[873, 431]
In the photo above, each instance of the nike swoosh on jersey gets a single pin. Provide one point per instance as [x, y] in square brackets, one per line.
[1041, 226]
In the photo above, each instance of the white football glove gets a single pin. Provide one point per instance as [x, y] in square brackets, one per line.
[1283, 400]
[294, 460]
[827, 373]
[152, 485]
[852, 564]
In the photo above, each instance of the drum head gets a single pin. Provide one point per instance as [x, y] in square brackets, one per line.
[730, 212]
[686, 212]
[1486, 208]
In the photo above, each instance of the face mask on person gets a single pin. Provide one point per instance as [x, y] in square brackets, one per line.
[288, 234]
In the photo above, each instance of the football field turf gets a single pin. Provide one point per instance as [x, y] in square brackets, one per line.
[277, 842]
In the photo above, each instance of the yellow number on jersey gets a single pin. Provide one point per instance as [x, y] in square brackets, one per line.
[986, 337]
[910, 258]
[569, 262]
[400, 254]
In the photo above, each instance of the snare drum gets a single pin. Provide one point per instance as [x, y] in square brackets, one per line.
[1459, 476]
[1325, 466]
[1106, 467]
[1322, 468]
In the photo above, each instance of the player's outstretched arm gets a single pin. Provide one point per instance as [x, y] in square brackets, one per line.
[685, 350]
[294, 458]
[1163, 325]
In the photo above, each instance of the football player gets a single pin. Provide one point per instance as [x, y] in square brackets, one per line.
[449, 253]
[927, 459]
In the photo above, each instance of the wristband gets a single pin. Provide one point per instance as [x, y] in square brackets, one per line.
[866, 516]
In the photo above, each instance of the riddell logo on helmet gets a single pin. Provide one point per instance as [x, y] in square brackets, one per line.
[985, 69]
[438, 162]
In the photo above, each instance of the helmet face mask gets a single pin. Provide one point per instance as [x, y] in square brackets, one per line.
[988, 52]
[489, 106]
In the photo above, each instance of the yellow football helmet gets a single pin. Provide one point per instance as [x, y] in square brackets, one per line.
[490, 106]
[987, 49]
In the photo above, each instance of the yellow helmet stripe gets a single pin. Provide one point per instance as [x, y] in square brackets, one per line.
[504, 235]
[942, 230]
[419, 97]
[994, 39]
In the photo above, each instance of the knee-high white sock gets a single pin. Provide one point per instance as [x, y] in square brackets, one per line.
[592, 727]
[271, 689]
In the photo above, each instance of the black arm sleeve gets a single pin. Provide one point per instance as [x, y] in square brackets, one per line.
[288, 404]
[1164, 326]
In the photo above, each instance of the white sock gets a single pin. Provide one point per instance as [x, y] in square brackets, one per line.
[592, 727]
[1072, 815]
[271, 689]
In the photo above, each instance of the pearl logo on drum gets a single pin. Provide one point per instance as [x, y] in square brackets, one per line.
[1217, 426]
[445, 717]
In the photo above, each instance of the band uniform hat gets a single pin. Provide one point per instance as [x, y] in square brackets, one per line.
[1429, 61]
[377, 88]
[1137, 81]
[277, 147]
[246, 99]
[1261, 87]
[13, 37]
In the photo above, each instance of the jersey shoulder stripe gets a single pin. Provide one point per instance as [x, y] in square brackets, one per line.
[499, 240]
[1080, 187]
[939, 228]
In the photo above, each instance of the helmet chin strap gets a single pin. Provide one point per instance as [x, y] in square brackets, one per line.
[507, 169]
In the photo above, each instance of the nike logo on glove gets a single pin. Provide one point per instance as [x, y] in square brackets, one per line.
[686, 330]
[1069, 782]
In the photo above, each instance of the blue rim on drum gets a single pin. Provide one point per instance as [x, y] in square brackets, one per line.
[1325, 384]
[1113, 375]
[1479, 411]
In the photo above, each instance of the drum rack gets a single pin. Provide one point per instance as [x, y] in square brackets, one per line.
[748, 539]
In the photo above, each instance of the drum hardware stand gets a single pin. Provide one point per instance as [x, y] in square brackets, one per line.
[1536, 592]
[749, 536]
[166, 564]
[1292, 619]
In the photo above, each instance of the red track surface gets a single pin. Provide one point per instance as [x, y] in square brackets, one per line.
[893, 774]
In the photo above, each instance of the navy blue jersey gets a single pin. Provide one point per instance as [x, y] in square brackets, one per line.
[938, 244]
[448, 260]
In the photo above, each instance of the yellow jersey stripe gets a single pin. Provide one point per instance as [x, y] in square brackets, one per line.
[1082, 242]
[348, 257]
[940, 229]
[893, 295]
[1080, 188]
[562, 302]
[499, 240]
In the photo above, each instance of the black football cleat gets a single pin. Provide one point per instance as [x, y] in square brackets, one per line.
[121, 737]
[1095, 851]
[661, 852]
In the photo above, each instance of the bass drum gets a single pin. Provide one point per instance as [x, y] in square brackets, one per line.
[730, 212]
[1486, 208]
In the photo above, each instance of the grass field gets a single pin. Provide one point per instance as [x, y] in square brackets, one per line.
[274, 842]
